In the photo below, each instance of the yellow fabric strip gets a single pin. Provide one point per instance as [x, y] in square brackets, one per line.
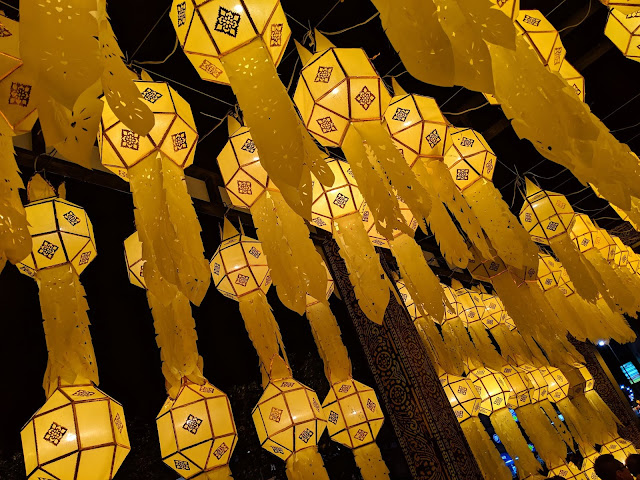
[548, 443]
[614, 286]
[484, 450]
[370, 462]
[305, 465]
[515, 444]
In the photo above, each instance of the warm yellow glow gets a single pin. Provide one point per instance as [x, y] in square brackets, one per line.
[619, 448]
[538, 388]
[623, 29]
[542, 37]
[288, 418]
[545, 215]
[518, 381]
[471, 307]
[452, 305]
[462, 395]
[558, 385]
[585, 234]
[566, 470]
[574, 78]
[330, 288]
[174, 133]
[493, 389]
[549, 271]
[208, 31]
[196, 430]
[353, 413]
[495, 313]
[134, 261]
[370, 225]
[470, 158]
[80, 433]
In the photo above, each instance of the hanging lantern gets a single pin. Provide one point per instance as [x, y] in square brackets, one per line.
[624, 6]
[353, 414]
[423, 135]
[542, 37]
[472, 308]
[573, 78]
[620, 449]
[296, 265]
[495, 313]
[537, 384]
[134, 261]
[493, 389]
[557, 383]
[288, 418]
[154, 165]
[196, 430]
[519, 384]
[78, 434]
[566, 470]
[511, 8]
[462, 395]
[471, 163]
[19, 114]
[623, 29]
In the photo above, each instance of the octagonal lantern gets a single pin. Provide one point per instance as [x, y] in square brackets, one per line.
[493, 389]
[462, 395]
[549, 271]
[196, 430]
[585, 234]
[471, 307]
[620, 448]
[519, 384]
[545, 215]
[288, 418]
[543, 38]
[61, 234]
[558, 385]
[174, 133]
[239, 266]
[207, 31]
[134, 261]
[353, 413]
[80, 433]
[339, 86]
[574, 78]
[623, 29]
[538, 388]
[495, 312]
[470, 158]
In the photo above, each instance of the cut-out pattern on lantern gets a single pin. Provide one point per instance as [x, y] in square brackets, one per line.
[470, 158]
[542, 37]
[538, 388]
[462, 395]
[288, 418]
[196, 430]
[370, 225]
[623, 29]
[174, 133]
[353, 413]
[78, 434]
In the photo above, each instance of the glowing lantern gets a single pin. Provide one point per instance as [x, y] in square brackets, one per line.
[353, 414]
[471, 163]
[462, 395]
[519, 384]
[472, 307]
[624, 6]
[493, 389]
[196, 430]
[154, 166]
[19, 114]
[495, 313]
[558, 384]
[296, 265]
[370, 224]
[134, 261]
[566, 470]
[452, 305]
[573, 78]
[330, 288]
[288, 418]
[538, 385]
[543, 38]
[620, 448]
[78, 434]
[623, 29]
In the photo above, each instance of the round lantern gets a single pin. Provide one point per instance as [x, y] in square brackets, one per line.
[623, 29]
[19, 113]
[79, 434]
[288, 418]
[493, 389]
[239, 267]
[353, 413]
[538, 388]
[61, 233]
[462, 395]
[573, 78]
[518, 381]
[134, 261]
[196, 430]
[208, 31]
[558, 385]
[174, 134]
[543, 38]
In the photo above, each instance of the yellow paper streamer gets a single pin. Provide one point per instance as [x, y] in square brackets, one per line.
[306, 464]
[370, 462]
[550, 446]
[66, 327]
[514, 443]
[484, 451]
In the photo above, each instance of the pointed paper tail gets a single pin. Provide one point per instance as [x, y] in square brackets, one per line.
[484, 450]
[365, 273]
[370, 462]
[488, 353]
[549, 444]
[508, 237]
[457, 337]
[515, 444]
[66, 327]
[614, 325]
[604, 423]
[446, 356]
[614, 287]
[306, 464]
[575, 264]
[571, 319]
[579, 427]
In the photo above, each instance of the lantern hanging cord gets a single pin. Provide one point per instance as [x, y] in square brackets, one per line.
[625, 128]
[580, 22]
[149, 34]
[377, 14]
[448, 99]
[10, 6]
[621, 106]
[160, 62]
[214, 127]
[556, 7]
[467, 110]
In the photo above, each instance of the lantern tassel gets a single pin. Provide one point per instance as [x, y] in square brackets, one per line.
[265, 335]
[515, 444]
[569, 318]
[558, 425]
[439, 352]
[605, 426]
[579, 273]
[614, 286]
[488, 353]
[508, 237]
[15, 240]
[603, 410]
[615, 325]
[66, 327]
[414, 269]
[306, 464]
[550, 446]
[365, 273]
[455, 334]
[484, 450]
[324, 326]
[580, 428]
[370, 462]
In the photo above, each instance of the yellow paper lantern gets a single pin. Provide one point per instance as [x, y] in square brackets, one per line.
[493, 389]
[239, 266]
[196, 430]
[558, 385]
[542, 37]
[546, 215]
[78, 434]
[470, 158]
[288, 418]
[623, 29]
[369, 224]
[549, 272]
[209, 31]
[538, 388]
[471, 307]
[587, 236]
[495, 313]
[588, 463]
[519, 384]
[573, 78]
[173, 135]
[353, 413]
[61, 233]
[134, 261]
[462, 395]
[624, 6]
[566, 470]
[19, 113]
[620, 448]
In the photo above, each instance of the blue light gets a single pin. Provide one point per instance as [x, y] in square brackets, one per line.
[496, 438]
[601, 343]
[561, 417]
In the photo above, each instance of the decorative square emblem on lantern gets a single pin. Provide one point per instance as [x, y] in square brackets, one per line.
[551, 213]
[549, 271]
[493, 389]
[543, 38]
[470, 158]
[623, 29]
[462, 395]
[558, 385]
